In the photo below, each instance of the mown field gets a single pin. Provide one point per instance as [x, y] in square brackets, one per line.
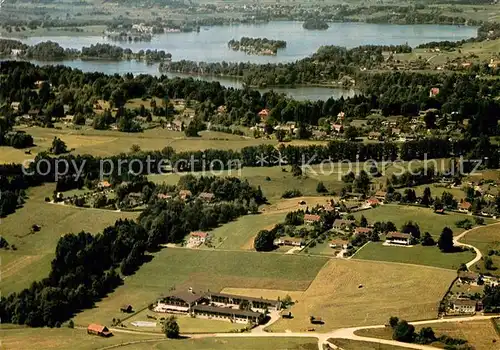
[427, 220]
[62, 338]
[348, 344]
[240, 234]
[417, 254]
[31, 260]
[355, 293]
[232, 343]
[479, 334]
[179, 268]
[485, 239]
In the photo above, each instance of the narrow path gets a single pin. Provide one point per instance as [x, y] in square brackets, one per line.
[479, 255]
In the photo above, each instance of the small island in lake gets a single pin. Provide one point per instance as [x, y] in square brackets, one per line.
[257, 46]
[315, 24]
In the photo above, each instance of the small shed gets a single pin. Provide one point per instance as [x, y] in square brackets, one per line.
[126, 308]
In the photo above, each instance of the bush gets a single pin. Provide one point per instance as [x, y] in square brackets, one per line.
[291, 194]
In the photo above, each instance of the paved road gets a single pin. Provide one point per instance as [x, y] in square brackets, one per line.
[479, 255]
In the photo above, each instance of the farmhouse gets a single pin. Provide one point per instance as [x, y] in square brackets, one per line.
[464, 207]
[467, 276]
[340, 224]
[180, 302]
[97, 329]
[463, 306]
[197, 238]
[103, 185]
[372, 202]
[311, 218]
[217, 306]
[206, 196]
[364, 230]
[338, 243]
[263, 114]
[185, 194]
[163, 196]
[225, 300]
[398, 238]
[15, 106]
[233, 315]
[380, 195]
[290, 241]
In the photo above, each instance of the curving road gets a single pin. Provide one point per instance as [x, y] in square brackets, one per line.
[479, 255]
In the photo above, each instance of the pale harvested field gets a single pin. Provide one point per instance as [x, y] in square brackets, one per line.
[387, 289]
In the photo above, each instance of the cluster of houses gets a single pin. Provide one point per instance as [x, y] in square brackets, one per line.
[464, 304]
[217, 306]
[187, 194]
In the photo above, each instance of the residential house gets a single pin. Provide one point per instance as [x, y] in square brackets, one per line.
[197, 238]
[206, 196]
[341, 224]
[465, 207]
[310, 219]
[467, 276]
[380, 195]
[373, 202]
[364, 230]
[103, 185]
[398, 238]
[341, 116]
[15, 106]
[463, 306]
[337, 128]
[434, 92]
[263, 114]
[163, 196]
[290, 241]
[175, 125]
[185, 194]
[374, 135]
[97, 329]
[338, 243]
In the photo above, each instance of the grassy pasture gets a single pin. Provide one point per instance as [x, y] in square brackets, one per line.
[348, 344]
[181, 268]
[232, 343]
[485, 238]
[239, 234]
[62, 338]
[479, 334]
[418, 254]
[31, 260]
[336, 297]
[426, 219]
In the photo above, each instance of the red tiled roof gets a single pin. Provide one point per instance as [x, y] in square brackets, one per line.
[97, 328]
[465, 205]
[199, 234]
[311, 217]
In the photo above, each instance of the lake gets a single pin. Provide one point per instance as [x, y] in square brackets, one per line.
[210, 45]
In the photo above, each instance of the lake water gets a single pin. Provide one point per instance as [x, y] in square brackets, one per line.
[210, 45]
